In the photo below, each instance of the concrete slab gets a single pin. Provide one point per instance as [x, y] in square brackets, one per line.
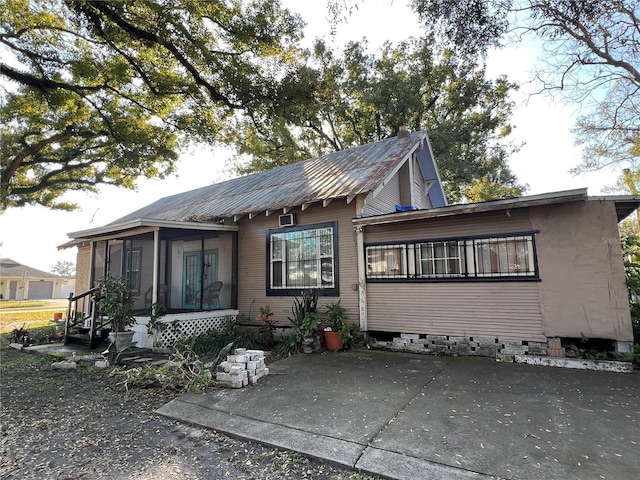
[414, 416]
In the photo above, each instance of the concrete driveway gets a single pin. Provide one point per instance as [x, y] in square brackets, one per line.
[416, 416]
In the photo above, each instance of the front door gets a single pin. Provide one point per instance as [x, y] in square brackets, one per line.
[199, 271]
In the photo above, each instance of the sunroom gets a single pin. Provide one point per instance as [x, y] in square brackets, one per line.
[189, 269]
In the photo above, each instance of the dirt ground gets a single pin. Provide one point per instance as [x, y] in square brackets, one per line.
[71, 425]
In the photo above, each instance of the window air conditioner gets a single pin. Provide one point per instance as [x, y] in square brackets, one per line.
[287, 220]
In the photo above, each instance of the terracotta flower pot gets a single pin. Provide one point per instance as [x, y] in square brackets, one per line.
[332, 340]
[57, 316]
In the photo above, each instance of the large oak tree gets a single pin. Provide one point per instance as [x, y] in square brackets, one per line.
[105, 92]
[591, 58]
[361, 98]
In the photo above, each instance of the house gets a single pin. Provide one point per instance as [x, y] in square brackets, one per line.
[21, 282]
[371, 226]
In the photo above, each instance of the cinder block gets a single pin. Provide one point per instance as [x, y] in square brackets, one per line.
[419, 341]
[410, 336]
[459, 340]
[251, 365]
[266, 371]
[235, 370]
[223, 377]
[240, 351]
[436, 338]
[514, 349]
[400, 341]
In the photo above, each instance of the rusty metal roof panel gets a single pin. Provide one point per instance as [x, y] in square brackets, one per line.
[340, 174]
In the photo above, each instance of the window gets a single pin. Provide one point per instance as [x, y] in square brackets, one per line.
[500, 257]
[454, 259]
[132, 269]
[387, 261]
[441, 259]
[302, 258]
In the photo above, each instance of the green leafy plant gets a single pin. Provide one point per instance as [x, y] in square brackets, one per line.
[305, 318]
[113, 353]
[587, 349]
[632, 356]
[268, 327]
[116, 302]
[155, 327]
[212, 341]
[310, 325]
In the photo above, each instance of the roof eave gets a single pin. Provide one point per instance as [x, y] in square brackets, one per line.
[148, 222]
[470, 208]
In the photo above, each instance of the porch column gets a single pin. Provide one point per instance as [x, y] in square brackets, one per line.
[362, 277]
[156, 266]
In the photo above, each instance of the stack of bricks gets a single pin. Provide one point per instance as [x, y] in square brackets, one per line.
[242, 368]
[555, 348]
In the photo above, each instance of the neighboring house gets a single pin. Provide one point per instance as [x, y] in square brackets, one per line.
[370, 226]
[21, 282]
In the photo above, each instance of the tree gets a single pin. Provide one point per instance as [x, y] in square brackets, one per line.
[361, 98]
[64, 268]
[591, 52]
[105, 92]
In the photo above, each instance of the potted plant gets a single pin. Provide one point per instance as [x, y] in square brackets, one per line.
[116, 303]
[309, 329]
[305, 320]
[336, 331]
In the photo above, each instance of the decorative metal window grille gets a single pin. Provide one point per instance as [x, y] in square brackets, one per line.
[471, 258]
[302, 259]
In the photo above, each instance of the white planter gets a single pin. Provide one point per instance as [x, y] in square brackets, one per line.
[121, 338]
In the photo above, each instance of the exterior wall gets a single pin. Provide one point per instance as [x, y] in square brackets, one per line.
[252, 257]
[474, 309]
[581, 289]
[458, 226]
[386, 200]
[406, 187]
[583, 285]
[508, 310]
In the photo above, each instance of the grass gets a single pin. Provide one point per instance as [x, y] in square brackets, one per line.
[30, 320]
[20, 304]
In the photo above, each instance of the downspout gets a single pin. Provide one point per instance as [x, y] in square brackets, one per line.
[362, 266]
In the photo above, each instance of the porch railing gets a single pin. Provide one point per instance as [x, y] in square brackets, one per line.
[83, 319]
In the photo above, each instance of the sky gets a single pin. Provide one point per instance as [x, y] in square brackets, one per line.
[31, 235]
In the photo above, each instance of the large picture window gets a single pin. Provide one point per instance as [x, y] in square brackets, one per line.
[495, 257]
[302, 258]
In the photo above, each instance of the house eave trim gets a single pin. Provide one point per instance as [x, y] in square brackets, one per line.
[497, 205]
[144, 222]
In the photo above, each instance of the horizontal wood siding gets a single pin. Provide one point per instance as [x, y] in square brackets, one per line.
[492, 309]
[449, 227]
[386, 200]
[252, 258]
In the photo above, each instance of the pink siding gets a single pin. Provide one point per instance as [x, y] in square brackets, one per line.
[458, 226]
[252, 261]
[504, 310]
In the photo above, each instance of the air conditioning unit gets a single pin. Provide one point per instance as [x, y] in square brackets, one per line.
[287, 220]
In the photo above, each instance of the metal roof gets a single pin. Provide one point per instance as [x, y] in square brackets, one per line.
[337, 175]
